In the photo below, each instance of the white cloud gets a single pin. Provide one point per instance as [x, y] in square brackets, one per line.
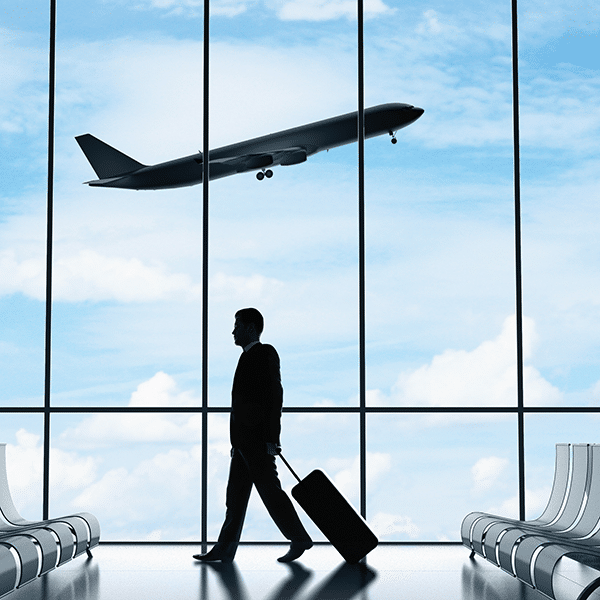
[26, 275]
[68, 471]
[301, 84]
[386, 524]
[90, 275]
[128, 500]
[535, 502]
[251, 289]
[287, 10]
[545, 18]
[154, 488]
[194, 8]
[323, 10]
[105, 430]
[347, 480]
[161, 391]
[431, 23]
[134, 495]
[485, 376]
[23, 72]
[486, 472]
[551, 120]
[24, 466]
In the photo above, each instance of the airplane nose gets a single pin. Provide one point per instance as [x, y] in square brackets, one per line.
[415, 113]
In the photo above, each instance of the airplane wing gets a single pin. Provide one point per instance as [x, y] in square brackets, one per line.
[251, 162]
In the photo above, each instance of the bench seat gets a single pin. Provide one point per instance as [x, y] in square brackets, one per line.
[29, 549]
[568, 528]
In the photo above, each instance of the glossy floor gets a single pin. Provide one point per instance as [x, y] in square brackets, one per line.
[149, 572]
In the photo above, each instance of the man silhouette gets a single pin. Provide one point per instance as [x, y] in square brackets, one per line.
[255, 426]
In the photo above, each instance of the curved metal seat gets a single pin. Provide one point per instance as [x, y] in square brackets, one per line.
[536, 557]
[76, 533]
[43, 539]
[29, 549]
[29, 559]
[9, 570]
[511, 537]
[532, 550]
[476, 525]
[547, 561]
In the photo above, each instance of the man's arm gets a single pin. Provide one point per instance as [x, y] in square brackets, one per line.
[275, 397]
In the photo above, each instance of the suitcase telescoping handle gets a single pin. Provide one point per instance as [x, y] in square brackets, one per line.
[287, 464]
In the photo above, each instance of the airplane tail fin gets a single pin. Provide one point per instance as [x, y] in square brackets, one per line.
[106, 160]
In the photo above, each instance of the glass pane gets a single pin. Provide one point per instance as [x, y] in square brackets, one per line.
[22, 435]
[123, 468]
[439, 208]
[559, 90]
[309, 441]
[286, 245]
[127, 289]
[542, 433]
[426, 473]
[23, 172]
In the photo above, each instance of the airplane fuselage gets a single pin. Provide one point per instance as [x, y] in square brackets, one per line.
[288, 147]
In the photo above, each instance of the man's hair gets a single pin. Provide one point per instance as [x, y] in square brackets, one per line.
[251, 315]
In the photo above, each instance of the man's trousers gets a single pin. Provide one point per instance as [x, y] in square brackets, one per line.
[253, 466]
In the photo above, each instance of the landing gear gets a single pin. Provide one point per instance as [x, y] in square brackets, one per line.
[393, 136]
[261, 174]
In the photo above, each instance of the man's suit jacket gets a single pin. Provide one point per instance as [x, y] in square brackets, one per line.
[256, 398]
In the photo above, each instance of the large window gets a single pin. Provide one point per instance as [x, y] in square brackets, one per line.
[417, 371]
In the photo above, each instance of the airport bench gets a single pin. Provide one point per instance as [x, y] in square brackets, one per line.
[29, 549]
[569, 528]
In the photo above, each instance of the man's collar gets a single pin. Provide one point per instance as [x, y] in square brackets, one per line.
[246, 348]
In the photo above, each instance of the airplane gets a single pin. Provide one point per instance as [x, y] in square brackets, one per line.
[288, 147]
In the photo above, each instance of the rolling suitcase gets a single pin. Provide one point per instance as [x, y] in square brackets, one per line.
[337, 519]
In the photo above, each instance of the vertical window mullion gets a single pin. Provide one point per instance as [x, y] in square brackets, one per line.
[361, 258]
[518, 275]
[49, 242]
[205, 181]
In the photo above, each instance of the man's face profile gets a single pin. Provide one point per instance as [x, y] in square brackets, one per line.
[240, 332]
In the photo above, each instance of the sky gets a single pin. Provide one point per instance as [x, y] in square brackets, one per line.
[439, 251]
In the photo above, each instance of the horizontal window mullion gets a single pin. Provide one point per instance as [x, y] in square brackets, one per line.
[304, 409]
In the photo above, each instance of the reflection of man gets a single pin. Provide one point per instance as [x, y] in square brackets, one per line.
[255, 425]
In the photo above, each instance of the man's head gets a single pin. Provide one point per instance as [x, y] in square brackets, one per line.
[249, 325]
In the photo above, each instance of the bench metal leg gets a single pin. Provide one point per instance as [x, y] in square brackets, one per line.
[472, 555]
[89, 553]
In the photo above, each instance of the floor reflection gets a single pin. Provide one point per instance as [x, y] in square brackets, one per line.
[66, 585]
[147, 572]
[299, 575]
[230, 578]
[483, 584]
[344, 583]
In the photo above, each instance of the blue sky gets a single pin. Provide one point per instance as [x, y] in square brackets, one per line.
[440, 250]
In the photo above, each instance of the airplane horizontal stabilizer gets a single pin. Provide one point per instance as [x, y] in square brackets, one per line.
[105, 160]
[103, 182]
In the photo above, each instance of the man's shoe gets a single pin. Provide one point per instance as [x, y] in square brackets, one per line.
[217, 552]
[296, 550]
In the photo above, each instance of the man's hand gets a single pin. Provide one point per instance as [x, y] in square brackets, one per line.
[273, 449]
